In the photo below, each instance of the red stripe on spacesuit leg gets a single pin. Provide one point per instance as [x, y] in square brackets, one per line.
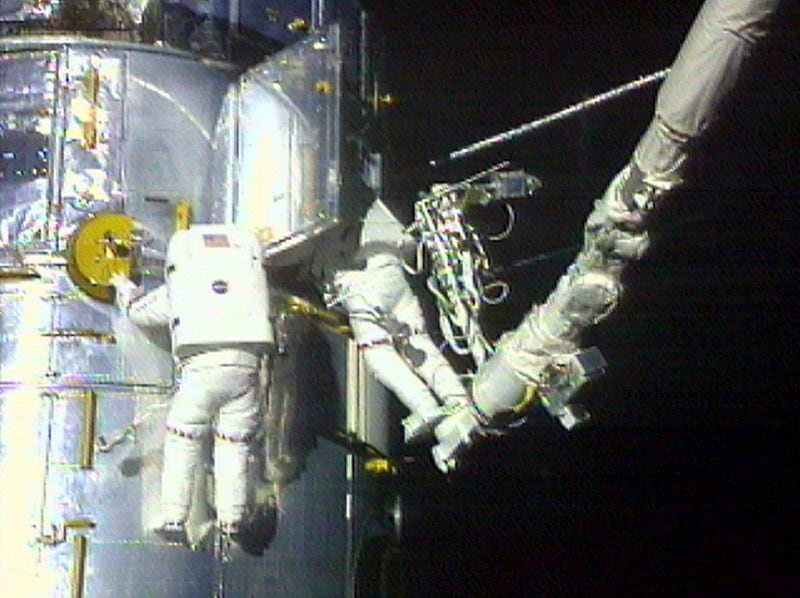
[183, 433]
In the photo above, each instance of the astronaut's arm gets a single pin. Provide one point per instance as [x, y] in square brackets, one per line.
[148, 309]
[541, 361]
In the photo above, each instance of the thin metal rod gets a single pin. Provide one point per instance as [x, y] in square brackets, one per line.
[567, 112]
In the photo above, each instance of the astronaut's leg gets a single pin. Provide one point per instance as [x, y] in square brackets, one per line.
[369, 297]
[428, 362]
[396, 374]
[188, 423]
[237, 423]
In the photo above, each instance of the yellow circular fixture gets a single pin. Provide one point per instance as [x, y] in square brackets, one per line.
[100, 248]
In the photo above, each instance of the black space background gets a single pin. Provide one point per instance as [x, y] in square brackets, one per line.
[685, 483]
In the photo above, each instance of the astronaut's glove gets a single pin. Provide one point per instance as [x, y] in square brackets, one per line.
[418, 427]
[455, 435]
[125, 291]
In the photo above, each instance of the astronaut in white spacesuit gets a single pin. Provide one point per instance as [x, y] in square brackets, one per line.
[388, 325]
[215, 301]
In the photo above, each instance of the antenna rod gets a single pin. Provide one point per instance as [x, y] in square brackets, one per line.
[567, 112]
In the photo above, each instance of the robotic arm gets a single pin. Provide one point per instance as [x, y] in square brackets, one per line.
[541, 361]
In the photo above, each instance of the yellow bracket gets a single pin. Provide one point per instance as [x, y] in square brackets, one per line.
[79, 558]
[183, 215]
[380, 467]
[330, 320]
[531, 398]
[298, 26]
[99, 249]
[81, 554]
[91, 85]
[98, 337]
[59, 533]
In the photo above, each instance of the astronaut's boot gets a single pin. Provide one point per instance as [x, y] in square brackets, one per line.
[181, 456]
[419, 426]
[232, 486]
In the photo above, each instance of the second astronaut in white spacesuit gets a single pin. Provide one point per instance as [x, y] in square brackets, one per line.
[215, 302]
[389, 326]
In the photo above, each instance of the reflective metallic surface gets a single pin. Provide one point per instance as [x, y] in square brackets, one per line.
[91, 126]
[75, 376]
[72, 371]
[284, 184]
[95, 126]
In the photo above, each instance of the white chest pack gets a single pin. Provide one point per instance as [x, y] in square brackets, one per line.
[218, 290]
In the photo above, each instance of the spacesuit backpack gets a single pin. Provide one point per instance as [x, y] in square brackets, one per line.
[218, 291]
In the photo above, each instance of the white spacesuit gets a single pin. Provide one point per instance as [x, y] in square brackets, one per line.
[542, 358]
[388, 324]
[215, 301]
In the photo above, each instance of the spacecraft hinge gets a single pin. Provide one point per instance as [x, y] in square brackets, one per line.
[330, 320]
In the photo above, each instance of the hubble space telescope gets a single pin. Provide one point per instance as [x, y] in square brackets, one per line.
[121, 123]
[124, 122]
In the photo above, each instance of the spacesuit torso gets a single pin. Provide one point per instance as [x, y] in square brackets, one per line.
[215, 294]
[217, 291]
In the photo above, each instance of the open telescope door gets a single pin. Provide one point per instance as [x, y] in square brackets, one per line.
[276, 169]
